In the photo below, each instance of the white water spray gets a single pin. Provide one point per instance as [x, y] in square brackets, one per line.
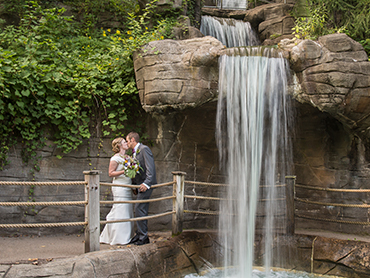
[231, 32]
[253, 146]
[232, 4]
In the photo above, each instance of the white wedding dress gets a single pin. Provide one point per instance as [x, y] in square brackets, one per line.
[119, 233]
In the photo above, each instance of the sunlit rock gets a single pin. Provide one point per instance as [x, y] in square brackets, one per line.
[177, 74]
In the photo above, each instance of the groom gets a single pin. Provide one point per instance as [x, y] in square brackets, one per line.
[145, 178]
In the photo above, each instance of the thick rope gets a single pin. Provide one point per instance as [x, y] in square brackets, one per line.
[47, 183]
[332, 189]
[138, 201]
[273, 186]
[333, 204]
[334, 220]
[206, 183]
[29, 204]
[119, 185]
[138, 218]
[203, 198]
[202, 212]
[223, 184]
[163, 184]
[42, 225]
[135, 186]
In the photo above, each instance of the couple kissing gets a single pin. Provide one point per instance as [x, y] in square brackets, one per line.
[138, 170]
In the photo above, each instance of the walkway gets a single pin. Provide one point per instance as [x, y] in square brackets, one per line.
[39, 250]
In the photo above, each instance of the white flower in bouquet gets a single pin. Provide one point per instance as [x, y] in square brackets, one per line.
[131, 166]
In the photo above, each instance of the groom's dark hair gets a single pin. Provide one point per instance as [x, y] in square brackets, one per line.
[134, 135]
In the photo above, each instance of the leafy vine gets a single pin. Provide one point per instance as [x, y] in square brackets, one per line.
[61, 79]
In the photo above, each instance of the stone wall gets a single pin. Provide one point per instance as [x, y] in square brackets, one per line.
[180, 142]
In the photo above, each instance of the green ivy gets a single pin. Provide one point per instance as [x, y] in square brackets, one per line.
[62, 80]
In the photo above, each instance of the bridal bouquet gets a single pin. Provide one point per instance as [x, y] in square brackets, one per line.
[131, 166]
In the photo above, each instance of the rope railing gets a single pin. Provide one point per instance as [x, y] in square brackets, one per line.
[333, 189]
[196, 197]
[46, 183]
[334, 220]
[205, 183]
[43, 225]
[139, 201]
[327, 204]
[135, 186]
[333, 204]
[202, 212]
[31, 204]
[138, 218]
[92, 203]
[203, 198]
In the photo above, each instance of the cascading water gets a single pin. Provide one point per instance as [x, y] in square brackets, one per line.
[252, 139]
[232, 4]
[231, 32]
[253, 145]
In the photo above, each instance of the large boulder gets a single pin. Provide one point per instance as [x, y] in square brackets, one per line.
[174, 75]
[272, 21]
[334, 76]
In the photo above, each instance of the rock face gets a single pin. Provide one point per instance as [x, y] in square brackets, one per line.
[334, 74]
[272, 21]
[331, 103]
[332, 141]
[177, 74]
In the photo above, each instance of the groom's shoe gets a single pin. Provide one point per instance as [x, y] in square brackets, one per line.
[142, 242]
[134, 239]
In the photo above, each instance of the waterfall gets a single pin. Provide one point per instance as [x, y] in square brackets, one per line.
[231, 32]
[252, 117]
[232, 4]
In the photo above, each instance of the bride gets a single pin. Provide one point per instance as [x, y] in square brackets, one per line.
[119, 233]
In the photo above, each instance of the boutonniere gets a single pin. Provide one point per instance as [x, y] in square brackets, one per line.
[137, 151]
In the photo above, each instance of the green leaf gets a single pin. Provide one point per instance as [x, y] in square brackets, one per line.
[25, 93]
[20, 104]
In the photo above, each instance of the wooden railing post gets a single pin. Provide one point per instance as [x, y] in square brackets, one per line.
[178, 202]
[290, 208]
[92, 211]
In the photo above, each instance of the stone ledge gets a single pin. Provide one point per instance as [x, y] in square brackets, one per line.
[193, 251]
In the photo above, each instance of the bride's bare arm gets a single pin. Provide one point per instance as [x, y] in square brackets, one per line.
[112, 169]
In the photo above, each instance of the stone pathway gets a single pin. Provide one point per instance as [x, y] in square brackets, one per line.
[41, 249]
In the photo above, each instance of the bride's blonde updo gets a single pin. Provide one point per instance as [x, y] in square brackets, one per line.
[115, 144]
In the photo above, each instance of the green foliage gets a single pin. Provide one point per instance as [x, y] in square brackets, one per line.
[359, 23]
[333, 16]
[316, 24]
[59, 79]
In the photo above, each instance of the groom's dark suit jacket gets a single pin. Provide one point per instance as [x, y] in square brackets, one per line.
[147, 174]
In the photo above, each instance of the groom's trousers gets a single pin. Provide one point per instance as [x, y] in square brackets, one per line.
[141, 209]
